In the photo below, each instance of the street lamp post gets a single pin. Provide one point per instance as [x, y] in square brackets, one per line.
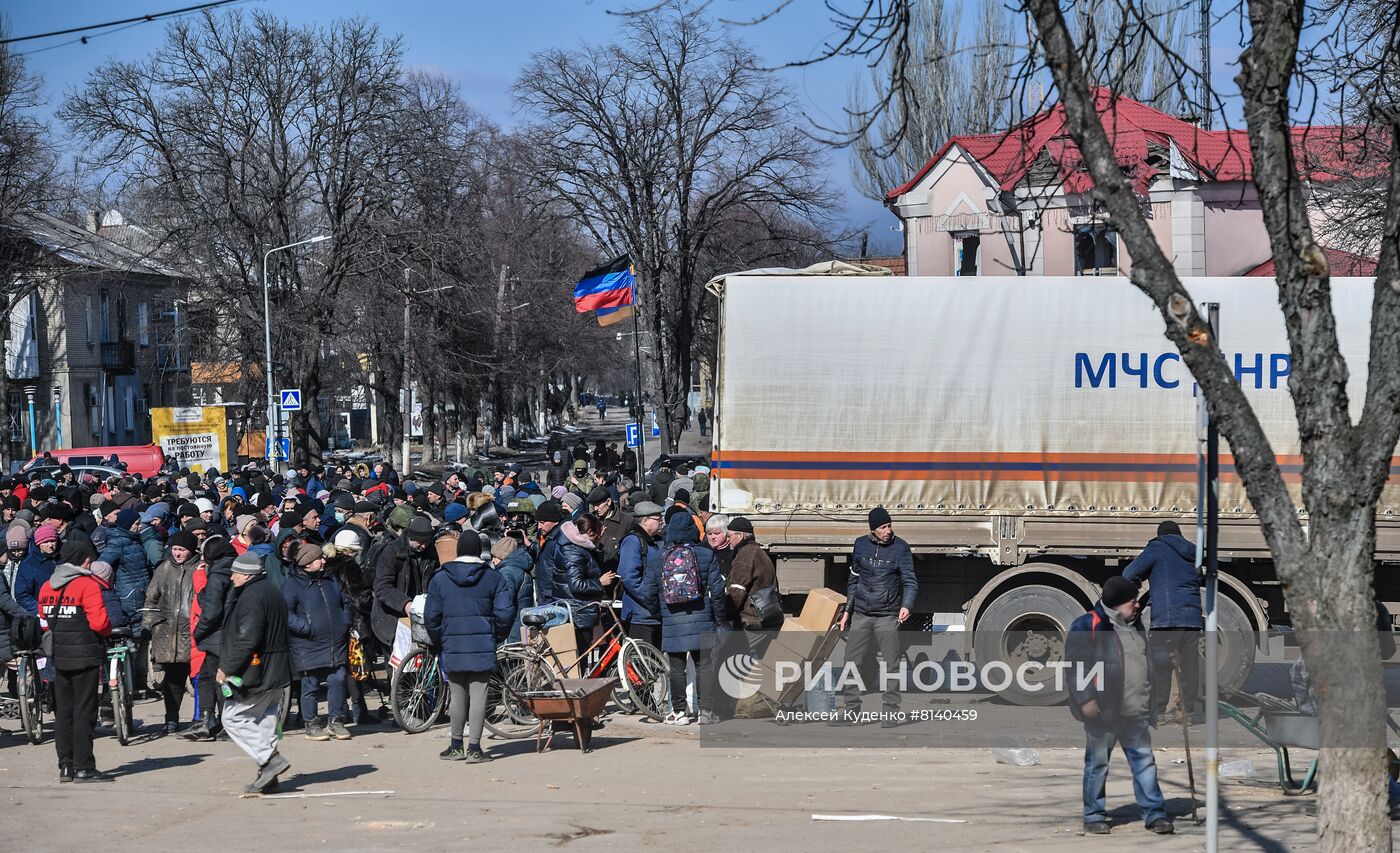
[272, 405]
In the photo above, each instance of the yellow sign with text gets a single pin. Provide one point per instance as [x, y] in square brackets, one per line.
[195, 436]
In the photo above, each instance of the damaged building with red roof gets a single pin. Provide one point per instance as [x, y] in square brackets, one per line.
[1021, 202]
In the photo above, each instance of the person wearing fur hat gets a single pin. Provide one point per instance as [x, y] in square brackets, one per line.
[880, 595]
[318, 620]
[169, 601]
[1116, 707]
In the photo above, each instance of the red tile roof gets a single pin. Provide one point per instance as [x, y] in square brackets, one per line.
[1339, 263]
[1324, 153]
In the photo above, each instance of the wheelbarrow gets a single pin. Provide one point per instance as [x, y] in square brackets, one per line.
[1281, 726]
[574, 701]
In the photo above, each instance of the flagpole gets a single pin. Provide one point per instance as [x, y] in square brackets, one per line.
[641, 405]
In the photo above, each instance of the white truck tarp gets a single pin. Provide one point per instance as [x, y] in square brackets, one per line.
[1008, 395]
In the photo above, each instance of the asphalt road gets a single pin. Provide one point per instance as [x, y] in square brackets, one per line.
[644, 786]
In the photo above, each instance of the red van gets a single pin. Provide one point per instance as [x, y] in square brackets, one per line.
[143, 459]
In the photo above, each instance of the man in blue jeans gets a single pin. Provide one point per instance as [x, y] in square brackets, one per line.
[1116, 706]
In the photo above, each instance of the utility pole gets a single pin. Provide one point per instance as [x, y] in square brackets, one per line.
[407, 391]
[1205, 66]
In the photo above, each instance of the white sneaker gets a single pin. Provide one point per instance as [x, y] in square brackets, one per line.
[677, 718]
[707, 718]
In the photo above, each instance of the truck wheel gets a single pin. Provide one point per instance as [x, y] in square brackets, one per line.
[1237, 646]
[1027, 624]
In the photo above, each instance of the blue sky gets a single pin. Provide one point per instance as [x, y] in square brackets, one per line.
[481, 45]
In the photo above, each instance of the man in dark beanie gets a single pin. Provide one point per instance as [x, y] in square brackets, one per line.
[879, 597]
[1168, 563]
[71, 602]
[548, 518]
[1115, 707]
[255, 665]
[402, 572]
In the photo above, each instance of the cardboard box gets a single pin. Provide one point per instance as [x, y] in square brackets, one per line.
[564, 643]
[801, 643]
[819, 612]
[769, 687]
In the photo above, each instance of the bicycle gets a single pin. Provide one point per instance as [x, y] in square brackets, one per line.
[640, 669]
[30, 695]
[418, 696]
[119, 682]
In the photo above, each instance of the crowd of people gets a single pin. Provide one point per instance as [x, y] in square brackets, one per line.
[237, 585]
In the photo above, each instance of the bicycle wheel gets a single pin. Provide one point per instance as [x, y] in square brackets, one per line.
[507, 716]
[31, 707]
[648, 677]
[121, 711]
[417, 692]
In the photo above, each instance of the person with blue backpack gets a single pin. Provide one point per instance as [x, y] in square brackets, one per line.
[691, 601]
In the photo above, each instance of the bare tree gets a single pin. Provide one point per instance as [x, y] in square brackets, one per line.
[654, 143]
[28, 160]
[1326, 567]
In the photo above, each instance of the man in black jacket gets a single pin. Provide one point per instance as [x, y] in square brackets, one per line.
[255, 664]
[217, 559]
[403, 572]
[879, 596]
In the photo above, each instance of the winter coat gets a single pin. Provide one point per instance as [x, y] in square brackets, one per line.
[1092, 642]
[130, 571]
[882, 577]
[255, 638]
[318, 618]
[212, 603]
[557, 476]
[1169, 565]
[639, 569]
[273, 564]
[578, 584]
[615, 526]
[400, 574]
[661, 485]
[10, 610]
[37, 568]
[115, 614]
[171, 593]
[547, 566]
[750, 571]
[153, 540]
[690, 627]
[71, 603]
[346, 570]
[468, 612]
[517, 570]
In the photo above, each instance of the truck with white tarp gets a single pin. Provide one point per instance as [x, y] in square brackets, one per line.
[1026, 434]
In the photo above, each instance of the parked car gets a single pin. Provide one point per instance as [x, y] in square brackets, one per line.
[50, 472]
[143, 459]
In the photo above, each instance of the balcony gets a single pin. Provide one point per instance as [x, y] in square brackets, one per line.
[118, 356]
[171, 358]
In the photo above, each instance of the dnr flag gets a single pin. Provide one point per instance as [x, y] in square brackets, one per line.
[608, 286]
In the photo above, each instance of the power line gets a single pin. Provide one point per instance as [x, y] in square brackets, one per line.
[143, 19]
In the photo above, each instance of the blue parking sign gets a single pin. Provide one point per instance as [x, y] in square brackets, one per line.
[634, 434]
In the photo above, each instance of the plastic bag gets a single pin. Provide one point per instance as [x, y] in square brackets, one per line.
[1022, 757]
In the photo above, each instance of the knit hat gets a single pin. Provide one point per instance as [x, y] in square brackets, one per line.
[204, 505]
[469, 544]
[102, 570]
[1118, 591]
[558, 492]
[248, 564]
[17, 537]
[160, 510]
[126, 518]
[572, 501]
[308, 554]
[77, 550]
[185, 539]
[45, 533]
[420, 529]
[241, 523]
[879, 517]
[106, 507]
[346, 540]
[454, 512]
[739, 524]
[1169, 528]
[437, 488]
[549, 511]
